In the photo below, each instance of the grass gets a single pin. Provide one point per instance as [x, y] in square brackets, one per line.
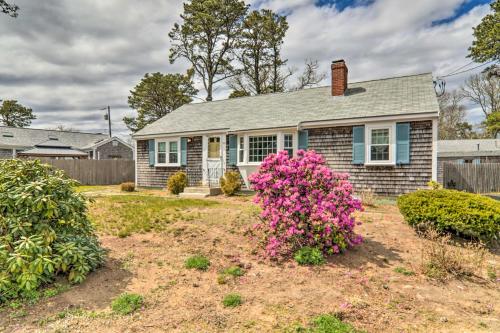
[232, 300]
[234, 271]
[198, 262]
[127, 303]
[93, 188]
[326, 324]
[123, 215]
[404, 271]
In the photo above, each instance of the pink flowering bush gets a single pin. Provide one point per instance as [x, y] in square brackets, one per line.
[304, 203]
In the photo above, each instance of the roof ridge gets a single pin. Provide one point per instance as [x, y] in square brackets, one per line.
[49, 130]
[300, 90]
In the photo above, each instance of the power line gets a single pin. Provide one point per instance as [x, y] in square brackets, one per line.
[468, 70]
[459, 68]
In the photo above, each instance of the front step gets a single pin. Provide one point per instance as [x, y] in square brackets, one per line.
[200, 191]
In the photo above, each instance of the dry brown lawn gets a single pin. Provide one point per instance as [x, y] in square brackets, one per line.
[365, 286]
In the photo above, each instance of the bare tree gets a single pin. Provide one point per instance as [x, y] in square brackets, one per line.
[452, 123]
[483, 89]
[310, 76]
[9, 9]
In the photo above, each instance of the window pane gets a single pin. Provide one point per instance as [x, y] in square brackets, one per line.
[261, 146]
[241, 150]
[214, 147]
[288, 144]
[172, 157]
[162, 147]
[380, 136]
[162, 158]
[173, 146]
[379, 153]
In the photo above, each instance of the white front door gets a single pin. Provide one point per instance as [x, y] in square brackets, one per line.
[214, 150]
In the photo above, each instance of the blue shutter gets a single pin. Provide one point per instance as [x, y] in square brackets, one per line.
[358, 144]
[303, 139]
[233, 150]
[151, 147]
[183, 151]
[402, 143]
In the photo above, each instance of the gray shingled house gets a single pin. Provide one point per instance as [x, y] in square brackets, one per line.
[33, 143]
[467, 151]
[383, 132]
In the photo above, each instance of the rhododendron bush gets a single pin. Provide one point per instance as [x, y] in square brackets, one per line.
[304, 203]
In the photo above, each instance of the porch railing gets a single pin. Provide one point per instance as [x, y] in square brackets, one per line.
[203, 176]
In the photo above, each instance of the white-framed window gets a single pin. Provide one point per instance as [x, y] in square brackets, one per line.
[167, 152]
[288, 144]
[214, 147]
[380, 148]
[241, 149]
[114, 143]
[260, 146]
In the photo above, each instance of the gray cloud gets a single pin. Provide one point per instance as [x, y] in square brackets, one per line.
[67, 59]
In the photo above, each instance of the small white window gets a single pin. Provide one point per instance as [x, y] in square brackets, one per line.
[241, 152]
[115, 143]
[162, 152]
[173, 152]
[380, 144]
[288, 144]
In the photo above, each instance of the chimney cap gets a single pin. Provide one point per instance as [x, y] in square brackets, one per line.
[337, 61]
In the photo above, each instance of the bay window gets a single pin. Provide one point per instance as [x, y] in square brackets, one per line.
[261, 146]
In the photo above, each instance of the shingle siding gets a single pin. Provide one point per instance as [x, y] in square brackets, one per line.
[335, 144]
[148, 176]
[108, 152]
[5, 153]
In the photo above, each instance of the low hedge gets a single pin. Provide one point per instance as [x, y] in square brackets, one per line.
[462, 213]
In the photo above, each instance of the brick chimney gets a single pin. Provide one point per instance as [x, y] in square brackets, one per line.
[339, 77]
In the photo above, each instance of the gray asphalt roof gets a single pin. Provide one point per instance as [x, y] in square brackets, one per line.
[458, 148]
[29, 137]
[394, 96]
[53, 152]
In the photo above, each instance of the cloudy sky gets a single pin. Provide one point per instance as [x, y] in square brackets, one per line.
[67, 59]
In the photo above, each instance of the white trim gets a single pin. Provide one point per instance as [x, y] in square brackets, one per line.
[391, 126]
[167, 152]
[135, 165]
[434, 149]
[366, 120]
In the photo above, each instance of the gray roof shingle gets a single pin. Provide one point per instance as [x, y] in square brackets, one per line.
[30, 137]
[462, 148]
[386, 97]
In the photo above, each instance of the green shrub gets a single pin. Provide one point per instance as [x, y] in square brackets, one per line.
[434, 185]
[127, 303]
[230, 183]
[404, 271]
[309, 256]
[452, 211]
[198, 262]
[330, 324]
[232, 300]
[127, 187]
[177, 182]
[44, 229]
[234, 271]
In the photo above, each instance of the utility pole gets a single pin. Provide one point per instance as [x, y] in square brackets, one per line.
[108, 118]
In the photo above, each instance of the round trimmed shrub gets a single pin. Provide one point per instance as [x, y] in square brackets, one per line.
[230, 183]
[309, 256]
[177, 182]
[462, 213]
[304, 203]
[44, 229]
[127, 187]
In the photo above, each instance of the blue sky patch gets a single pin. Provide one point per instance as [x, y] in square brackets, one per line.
[463, 9]
[343, 4]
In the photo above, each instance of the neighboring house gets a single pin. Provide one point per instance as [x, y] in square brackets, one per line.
[29, 142]
[467, 151]
[382, 132]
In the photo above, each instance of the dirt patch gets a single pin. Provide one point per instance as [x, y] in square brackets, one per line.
[360, 285]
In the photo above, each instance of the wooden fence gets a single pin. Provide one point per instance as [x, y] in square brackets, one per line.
[96, 172]
[477, 178]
